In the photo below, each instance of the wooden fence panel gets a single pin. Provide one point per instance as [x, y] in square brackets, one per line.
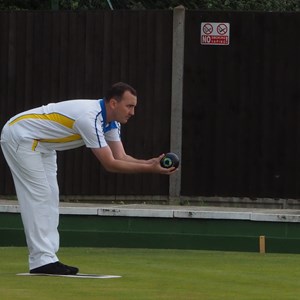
[241, 107]
[57, 55]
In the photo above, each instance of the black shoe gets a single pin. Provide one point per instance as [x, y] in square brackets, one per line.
[74, 270]
[55, 268]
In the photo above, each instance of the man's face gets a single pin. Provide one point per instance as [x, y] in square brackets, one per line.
[124, 109]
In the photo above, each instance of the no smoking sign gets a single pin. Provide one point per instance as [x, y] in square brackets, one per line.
[214, 33]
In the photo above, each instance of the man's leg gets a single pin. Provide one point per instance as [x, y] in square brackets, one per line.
[51, 203]
[35, 191]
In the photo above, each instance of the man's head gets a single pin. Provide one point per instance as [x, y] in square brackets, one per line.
[117, 90]
[121, 100]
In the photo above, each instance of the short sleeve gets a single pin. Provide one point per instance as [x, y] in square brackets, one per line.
[90, 129]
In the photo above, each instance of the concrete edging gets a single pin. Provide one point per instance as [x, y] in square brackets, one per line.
[179, 212]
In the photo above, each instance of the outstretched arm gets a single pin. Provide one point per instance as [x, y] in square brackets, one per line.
[119, 153]
[114, 159]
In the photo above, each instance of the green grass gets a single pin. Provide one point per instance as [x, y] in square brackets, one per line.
[156, 274]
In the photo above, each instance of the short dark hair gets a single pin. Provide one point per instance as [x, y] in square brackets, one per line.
[117, 90]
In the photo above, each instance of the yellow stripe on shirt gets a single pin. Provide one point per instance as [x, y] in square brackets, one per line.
[55, 117]
[67, 139]
[70, 138]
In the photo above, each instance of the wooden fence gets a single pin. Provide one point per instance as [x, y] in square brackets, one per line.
[241, 107]
[240, 102]
[52, 56]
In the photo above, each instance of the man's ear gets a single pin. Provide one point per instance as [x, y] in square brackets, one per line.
[113, 103]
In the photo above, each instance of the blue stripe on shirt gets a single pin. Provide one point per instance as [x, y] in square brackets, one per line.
[105, 127]
[96, 129]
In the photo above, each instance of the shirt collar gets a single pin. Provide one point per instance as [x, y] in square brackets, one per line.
[106, 126]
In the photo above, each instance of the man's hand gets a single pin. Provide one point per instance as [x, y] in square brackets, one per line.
[155, 162]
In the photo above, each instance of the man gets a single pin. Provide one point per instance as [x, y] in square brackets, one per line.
[29, 143]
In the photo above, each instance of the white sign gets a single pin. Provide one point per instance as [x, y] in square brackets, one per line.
[215, 33]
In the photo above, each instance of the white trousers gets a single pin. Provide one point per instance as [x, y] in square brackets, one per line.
[35, 178]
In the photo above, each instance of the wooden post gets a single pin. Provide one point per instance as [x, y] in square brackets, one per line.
[177, 90]
[262, 244]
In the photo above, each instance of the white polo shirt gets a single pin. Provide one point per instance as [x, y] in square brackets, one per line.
[64, 125]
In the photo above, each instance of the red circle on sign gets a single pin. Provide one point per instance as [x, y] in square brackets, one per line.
[207, 29]
[222, 29]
